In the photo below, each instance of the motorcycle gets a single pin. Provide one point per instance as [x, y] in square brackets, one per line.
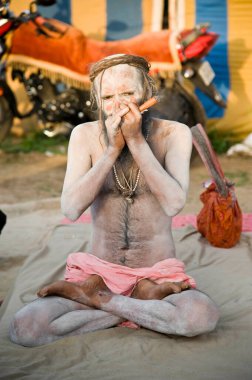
[61, 101]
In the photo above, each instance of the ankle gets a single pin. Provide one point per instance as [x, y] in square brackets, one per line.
[101, 297]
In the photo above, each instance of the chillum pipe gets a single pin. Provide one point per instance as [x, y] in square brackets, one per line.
[149, 103]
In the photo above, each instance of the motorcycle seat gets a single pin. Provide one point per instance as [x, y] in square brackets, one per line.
[67, 55]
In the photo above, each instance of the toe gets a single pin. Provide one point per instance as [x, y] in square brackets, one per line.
[42, 292]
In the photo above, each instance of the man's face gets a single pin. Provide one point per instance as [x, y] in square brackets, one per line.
[120, 84]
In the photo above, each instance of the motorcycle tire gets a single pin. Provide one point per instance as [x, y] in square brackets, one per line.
[6, 118]
[178, 104]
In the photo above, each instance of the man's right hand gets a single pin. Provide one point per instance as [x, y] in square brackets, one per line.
[115, 136]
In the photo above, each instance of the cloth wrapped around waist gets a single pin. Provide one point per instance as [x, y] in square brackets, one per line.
[121, 279]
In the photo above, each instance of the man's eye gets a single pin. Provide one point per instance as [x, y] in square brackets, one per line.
[107, 97]
[128, 93]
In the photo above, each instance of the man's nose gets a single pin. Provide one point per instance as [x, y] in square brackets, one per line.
[117, 102]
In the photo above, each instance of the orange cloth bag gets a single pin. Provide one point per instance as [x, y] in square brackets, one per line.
[220, 220]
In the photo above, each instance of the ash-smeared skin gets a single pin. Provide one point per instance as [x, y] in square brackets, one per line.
[135, 235]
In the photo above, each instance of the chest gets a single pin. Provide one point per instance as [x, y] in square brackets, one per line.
[125, 174]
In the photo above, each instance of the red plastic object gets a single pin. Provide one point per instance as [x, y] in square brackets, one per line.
[4, 28]
[198, 48]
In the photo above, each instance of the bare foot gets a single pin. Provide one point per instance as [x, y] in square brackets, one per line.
[149, 290]
[61, 288]
[91, 292]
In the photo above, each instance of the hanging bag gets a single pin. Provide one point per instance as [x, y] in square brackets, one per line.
[220, 220]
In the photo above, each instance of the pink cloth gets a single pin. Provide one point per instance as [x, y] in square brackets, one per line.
[121, 279]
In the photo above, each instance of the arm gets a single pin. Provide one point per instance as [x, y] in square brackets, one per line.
[83, 181]
[169, 184]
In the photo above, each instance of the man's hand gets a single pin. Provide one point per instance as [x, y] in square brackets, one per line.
[131, 124]
[113, 126]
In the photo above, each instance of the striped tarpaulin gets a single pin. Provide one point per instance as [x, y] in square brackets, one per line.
[231, 59]
[215, 12]
[61, 11]
[123, 22]
[107, 19]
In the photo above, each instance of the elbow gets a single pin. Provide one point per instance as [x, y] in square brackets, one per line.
[70, 214]
[174, 206]
[68, 210]
[173, 211]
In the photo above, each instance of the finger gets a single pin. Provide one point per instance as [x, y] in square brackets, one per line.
[123, 105]
[123, 111]
[43, 292]
[113, 122]
[135, 109]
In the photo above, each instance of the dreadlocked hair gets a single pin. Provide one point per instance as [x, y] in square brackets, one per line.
[133, 60]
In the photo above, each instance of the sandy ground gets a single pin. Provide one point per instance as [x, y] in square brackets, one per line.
[30, 188]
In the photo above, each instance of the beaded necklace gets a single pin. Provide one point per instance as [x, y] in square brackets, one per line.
[128, 190]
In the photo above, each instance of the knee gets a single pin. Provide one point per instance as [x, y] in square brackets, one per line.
[22, 331]
[200, 315]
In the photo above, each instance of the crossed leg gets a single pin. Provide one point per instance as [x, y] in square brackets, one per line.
[47, 319]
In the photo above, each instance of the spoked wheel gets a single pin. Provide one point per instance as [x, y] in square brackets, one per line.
[177, 103]
[6, 118]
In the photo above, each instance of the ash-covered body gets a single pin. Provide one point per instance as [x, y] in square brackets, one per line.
[132, 229]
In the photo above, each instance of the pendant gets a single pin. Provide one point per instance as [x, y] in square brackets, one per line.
[129, 200]
[127, 193]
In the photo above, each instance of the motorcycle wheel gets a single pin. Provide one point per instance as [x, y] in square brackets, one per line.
[177, 103]
[6, 118]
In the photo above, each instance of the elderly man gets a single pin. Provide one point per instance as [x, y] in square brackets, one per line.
[133, 171]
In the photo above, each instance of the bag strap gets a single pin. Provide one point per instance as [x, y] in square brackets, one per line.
[209, 158]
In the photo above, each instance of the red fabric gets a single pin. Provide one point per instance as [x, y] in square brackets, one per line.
[220, 220]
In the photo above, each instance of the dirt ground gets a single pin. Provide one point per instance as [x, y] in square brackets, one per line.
[35, 176]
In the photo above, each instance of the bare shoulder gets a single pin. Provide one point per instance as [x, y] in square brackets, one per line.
[85, 131]
[172, 130]
[85, 136]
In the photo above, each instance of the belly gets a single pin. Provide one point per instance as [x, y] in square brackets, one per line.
[135, 235]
